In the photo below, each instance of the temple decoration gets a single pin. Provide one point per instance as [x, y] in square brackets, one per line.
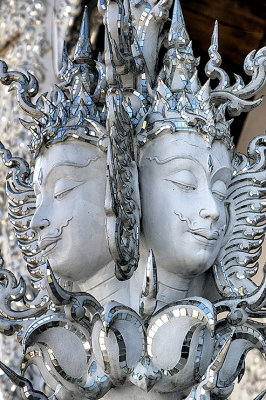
[24, 42]
[125, 304]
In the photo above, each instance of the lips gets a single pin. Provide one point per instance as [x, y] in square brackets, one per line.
[204, 235]
[47, 244]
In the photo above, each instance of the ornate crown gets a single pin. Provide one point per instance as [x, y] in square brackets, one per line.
[76, 105]
[80, 107]
[178, 100]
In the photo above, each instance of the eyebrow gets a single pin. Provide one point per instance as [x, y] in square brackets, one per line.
[223, 170]
[169, 159]
[70, 164]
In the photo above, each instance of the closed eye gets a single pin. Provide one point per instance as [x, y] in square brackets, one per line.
[183, 185]
[60, 196]
[63, 187]
[183, 179]
[220, 196]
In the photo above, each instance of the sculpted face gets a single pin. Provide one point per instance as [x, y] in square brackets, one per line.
[69, 183]
[183, 192]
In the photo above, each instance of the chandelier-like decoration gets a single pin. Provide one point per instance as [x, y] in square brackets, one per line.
[85, 347]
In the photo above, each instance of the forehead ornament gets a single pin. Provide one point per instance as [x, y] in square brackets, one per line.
[40, 176]
[210, 163]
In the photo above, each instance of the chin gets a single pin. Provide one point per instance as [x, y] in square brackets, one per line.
[59, 269]
[203, 262]
[56, 268]
[200, 263]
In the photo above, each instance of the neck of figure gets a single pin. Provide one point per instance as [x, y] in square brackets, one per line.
[172, 287]
[104, 286]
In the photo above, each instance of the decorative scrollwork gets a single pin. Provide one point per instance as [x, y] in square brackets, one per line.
[122, 203]
[247, 228]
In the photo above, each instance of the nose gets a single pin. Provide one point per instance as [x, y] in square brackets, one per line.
[38, 223]
[210, 210]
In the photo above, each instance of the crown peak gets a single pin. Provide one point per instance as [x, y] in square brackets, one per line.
[214, 40]
[83, 51]
[84, 30]
[178, 35]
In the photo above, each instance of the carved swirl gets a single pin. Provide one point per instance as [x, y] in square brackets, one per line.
[247, 223]
[21, 207]
[26, 88]
[237, 94]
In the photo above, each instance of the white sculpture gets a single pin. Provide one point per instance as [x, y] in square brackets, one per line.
[69, 182]
[188, 182]
[174, 185]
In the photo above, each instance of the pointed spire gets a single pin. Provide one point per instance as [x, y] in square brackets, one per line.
[214, 40]
[212, 69]
[83, 51]
[178, 35]
[194, 83]
[216, 59]
[149, 293]
[203, 94]
[179, 58]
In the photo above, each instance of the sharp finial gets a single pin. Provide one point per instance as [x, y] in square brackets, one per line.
[150, 287]
[204, 93]
[214, 40]
[194, 83]
[83, 51]
[178, 35]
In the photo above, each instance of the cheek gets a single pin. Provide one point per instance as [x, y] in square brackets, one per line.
[69, 209]
[186, 203]
[88, 223]
[167, 202]
[60, 212]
